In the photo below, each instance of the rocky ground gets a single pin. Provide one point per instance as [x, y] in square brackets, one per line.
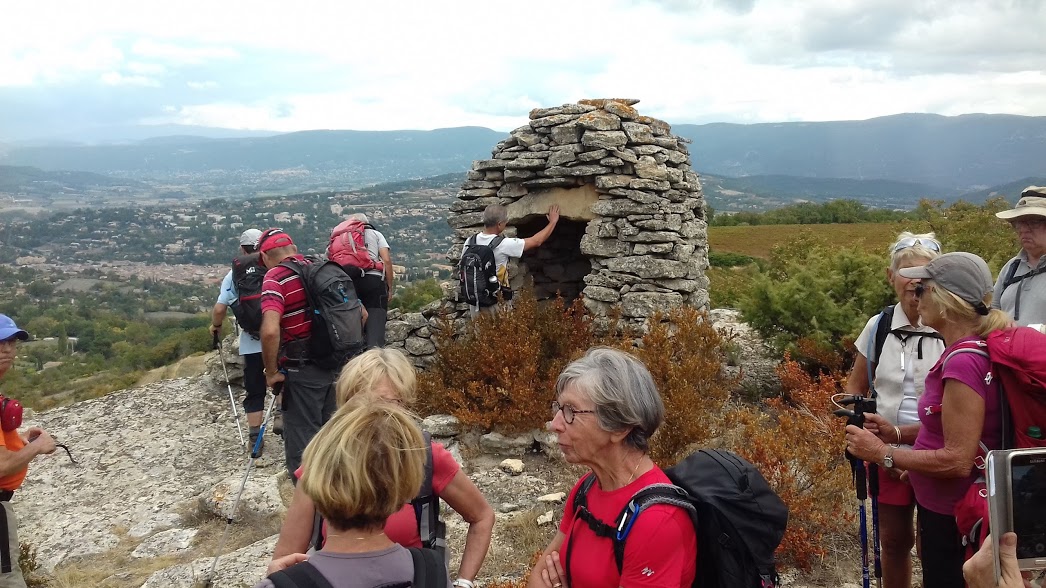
[158, 468]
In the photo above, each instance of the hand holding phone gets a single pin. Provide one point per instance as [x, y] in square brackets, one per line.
[1017, 503]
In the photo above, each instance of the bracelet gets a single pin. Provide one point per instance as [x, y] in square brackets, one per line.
[897, 430]
[463, 583]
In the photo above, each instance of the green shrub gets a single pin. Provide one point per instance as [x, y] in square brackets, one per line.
[815, 291]
[968, 227]
[416, 294]
[729, 259]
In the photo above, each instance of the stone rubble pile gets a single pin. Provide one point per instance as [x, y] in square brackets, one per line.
[625, 175]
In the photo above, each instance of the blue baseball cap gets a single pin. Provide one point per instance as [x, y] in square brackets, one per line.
[8, 329]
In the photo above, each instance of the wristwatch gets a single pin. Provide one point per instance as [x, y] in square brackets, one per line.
[888, 460]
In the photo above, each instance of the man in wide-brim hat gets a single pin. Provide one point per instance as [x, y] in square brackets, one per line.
[1021, 288]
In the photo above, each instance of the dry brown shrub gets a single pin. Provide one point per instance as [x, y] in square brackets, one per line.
[685, 354]
[797, 445]
[501, 373]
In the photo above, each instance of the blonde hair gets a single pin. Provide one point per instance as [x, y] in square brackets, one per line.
[367, 370]
[956, 309]
[364, 465]
[917, 251]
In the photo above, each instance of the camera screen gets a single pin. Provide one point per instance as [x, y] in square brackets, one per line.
[1029, 507]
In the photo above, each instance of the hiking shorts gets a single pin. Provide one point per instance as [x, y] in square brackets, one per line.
[894, 492]
[254, 382]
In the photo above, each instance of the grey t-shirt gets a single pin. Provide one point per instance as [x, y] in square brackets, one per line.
[375, 242]
[361, 570]
[1033, 292]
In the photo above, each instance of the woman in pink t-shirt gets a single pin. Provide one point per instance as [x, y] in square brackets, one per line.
[605, 411]
[958, 410]
[387, 375]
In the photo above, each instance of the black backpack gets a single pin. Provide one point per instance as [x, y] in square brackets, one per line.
[248, 273]
[478, 273]
[431, 528]
[739, 520]
[429, 572]
[337, 315]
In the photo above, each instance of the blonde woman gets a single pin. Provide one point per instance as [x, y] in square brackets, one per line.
[387, 375]
[909, 350]
[361, 467]
[958, 409]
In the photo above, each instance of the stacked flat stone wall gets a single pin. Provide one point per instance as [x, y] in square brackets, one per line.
[623, 177]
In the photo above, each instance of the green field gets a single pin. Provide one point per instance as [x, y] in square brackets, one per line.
[758, 240]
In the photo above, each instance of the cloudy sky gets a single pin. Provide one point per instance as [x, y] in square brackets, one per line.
[69, 67]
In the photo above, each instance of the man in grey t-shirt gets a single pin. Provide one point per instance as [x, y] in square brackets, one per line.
[375, 287]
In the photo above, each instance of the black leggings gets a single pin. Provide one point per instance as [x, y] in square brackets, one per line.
[254, 382]
[942, 550]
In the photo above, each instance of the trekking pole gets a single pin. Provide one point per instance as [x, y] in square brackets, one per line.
[873, 491]
[228, 384]
[855, 417]
[275, 390]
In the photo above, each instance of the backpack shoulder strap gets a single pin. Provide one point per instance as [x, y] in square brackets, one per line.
[471, 240]
[882, 331]
[426, 503]
[977, 347]
[302, 575]
[496, 241]
[1011, 270]
[429, 569]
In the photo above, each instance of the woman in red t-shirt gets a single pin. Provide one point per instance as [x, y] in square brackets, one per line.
[386, 374]
[605, 411]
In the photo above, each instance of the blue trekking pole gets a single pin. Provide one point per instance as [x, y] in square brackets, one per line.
[873, 491]
[855, 417]
[275, 391]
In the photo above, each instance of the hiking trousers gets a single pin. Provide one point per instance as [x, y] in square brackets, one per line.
[308, 402]
[12, 579]
[374, 295]
[254, 382]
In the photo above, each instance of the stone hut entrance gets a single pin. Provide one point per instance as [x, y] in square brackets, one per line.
[632, 231]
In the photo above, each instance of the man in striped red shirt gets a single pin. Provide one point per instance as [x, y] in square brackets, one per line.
[308, 389]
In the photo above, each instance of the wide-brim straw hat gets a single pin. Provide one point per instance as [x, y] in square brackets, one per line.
[1032, 203]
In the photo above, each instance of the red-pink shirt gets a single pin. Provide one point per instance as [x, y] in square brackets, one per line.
[940, 495]
[282, 292]
[402, 527]
[660, 550]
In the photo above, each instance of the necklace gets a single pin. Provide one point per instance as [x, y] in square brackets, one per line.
[358, 538]
[634, 470]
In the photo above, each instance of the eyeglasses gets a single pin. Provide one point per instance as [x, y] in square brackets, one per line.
[1028, 223]
[912, 242]
[568, 411]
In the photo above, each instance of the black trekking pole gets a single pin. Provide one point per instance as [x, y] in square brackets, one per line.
[228, 384]
[855, 417]
[275, 391]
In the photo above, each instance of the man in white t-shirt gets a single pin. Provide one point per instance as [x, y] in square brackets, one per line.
[495, 220]
[375, 287]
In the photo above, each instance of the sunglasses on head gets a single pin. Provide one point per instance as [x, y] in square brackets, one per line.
[920, 289]
[912, 242]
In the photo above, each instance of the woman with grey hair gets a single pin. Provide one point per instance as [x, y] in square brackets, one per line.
[606, 409]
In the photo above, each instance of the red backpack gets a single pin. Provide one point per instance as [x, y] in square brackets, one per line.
[348, 248]
[1018, 365]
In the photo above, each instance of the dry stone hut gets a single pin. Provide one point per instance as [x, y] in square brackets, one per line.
[632, 231]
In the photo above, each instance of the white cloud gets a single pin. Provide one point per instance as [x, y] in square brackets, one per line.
[421, 64]
[113, 78]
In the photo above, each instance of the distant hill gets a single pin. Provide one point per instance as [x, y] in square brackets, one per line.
[753, 193]
[1011, 191]
[30, 180]
[399, 153]
[895, 159]
[960, 153]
